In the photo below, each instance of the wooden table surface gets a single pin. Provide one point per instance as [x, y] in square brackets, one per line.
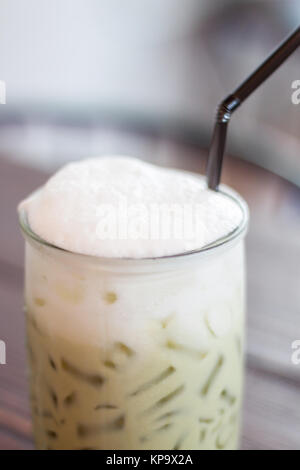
[272, 391]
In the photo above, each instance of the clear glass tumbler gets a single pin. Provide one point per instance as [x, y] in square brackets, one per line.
[136, 354]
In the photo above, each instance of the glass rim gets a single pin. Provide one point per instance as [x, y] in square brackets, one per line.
[220, 242]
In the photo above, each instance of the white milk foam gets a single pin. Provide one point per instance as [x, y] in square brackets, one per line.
[123, 207]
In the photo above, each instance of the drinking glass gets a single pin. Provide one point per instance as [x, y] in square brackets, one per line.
[136, 353]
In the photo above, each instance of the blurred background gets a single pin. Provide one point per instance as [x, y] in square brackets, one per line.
[76, 68]
[144, 77]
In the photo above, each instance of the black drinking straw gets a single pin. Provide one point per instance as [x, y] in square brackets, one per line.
[233, 101]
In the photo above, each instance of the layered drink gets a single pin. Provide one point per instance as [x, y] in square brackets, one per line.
[134, 294]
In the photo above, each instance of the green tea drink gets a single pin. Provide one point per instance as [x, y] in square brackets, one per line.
[140, 352]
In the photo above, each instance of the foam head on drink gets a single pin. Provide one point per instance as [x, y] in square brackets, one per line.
[131, 347]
